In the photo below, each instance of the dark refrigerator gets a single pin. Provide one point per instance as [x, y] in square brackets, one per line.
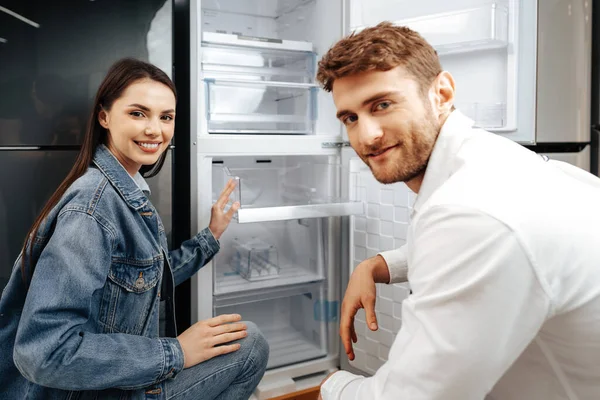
[53, 56]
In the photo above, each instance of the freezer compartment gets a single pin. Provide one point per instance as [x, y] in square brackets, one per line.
[282, 188]
[264, 64]
[265, 23]
[256, 257]
[449, 30]
[293, 321]
[246, 106]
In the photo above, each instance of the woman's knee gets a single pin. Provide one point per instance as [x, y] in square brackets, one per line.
[258, 346]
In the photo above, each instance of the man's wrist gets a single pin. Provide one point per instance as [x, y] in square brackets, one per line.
[379, 269]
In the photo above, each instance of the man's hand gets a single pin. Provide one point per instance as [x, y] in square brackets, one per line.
[361, 293]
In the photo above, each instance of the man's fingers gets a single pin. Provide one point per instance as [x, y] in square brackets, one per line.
[369, 304]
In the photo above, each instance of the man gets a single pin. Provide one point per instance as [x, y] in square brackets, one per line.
[503, 251]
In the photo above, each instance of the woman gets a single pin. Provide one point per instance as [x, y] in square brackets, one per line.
[79, 318]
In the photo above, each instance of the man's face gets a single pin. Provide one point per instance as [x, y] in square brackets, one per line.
[390, 123]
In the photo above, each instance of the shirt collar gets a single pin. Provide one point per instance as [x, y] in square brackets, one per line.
[142, 184]
[441, 162]
[125, 184]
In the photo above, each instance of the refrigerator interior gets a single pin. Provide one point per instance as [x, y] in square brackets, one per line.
[283, 244]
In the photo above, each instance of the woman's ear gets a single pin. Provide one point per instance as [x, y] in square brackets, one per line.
[103, 118]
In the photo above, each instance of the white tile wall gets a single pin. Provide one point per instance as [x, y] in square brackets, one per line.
[384, 227]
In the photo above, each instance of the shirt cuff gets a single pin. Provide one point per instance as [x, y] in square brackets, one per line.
[173, 358]
[333, 387]
[207, 242]
[397, 264]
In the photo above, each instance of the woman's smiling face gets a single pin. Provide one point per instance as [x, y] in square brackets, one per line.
[140, 124]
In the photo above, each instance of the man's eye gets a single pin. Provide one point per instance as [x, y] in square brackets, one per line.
[382, 106]
[350, 119]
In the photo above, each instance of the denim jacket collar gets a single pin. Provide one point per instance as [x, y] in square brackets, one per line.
[119, 178]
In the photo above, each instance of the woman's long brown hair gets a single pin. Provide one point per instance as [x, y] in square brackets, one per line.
[119, 77]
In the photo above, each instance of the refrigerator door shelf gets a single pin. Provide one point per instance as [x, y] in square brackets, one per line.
[462, 31]
[291, 320]
[268, 65]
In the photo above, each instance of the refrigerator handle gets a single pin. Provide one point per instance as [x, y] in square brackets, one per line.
[595, 149]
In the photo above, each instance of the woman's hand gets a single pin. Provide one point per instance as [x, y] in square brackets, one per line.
[205, 339]
[219, 219]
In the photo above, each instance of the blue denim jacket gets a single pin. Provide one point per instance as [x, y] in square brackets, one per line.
[87, 326]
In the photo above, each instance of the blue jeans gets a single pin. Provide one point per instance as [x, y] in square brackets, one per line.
[232, 376]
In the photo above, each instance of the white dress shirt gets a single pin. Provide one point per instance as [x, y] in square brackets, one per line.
[503, 256]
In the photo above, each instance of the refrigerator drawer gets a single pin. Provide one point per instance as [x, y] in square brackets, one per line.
[293, 321]
[284, 188]
[254, 106]
[220, 61]
[257, 257]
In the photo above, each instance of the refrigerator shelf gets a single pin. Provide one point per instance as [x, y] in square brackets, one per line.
[256, 42]
[228, 281]
[283, 213]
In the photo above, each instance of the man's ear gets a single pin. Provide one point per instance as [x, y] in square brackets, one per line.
[442, 93]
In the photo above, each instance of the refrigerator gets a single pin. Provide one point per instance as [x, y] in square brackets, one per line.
[52, 60]
[310, 209]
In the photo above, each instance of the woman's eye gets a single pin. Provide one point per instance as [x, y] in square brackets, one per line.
[167, 117]
[136, 114]
[382, 106]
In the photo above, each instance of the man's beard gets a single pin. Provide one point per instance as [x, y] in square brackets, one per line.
[421, 140]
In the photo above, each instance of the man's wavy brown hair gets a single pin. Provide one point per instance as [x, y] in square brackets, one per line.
[380, 48]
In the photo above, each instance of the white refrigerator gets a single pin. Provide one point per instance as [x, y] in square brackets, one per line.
[310, 210]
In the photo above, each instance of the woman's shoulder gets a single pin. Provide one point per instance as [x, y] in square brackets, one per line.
[92, 193]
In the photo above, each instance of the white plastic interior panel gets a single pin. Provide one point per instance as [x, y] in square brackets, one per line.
[488, 46]
[291, 320]
[383, 228]
[258, 63]
[284, 188]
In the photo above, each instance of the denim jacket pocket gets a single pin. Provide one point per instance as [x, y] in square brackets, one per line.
[131, 295]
